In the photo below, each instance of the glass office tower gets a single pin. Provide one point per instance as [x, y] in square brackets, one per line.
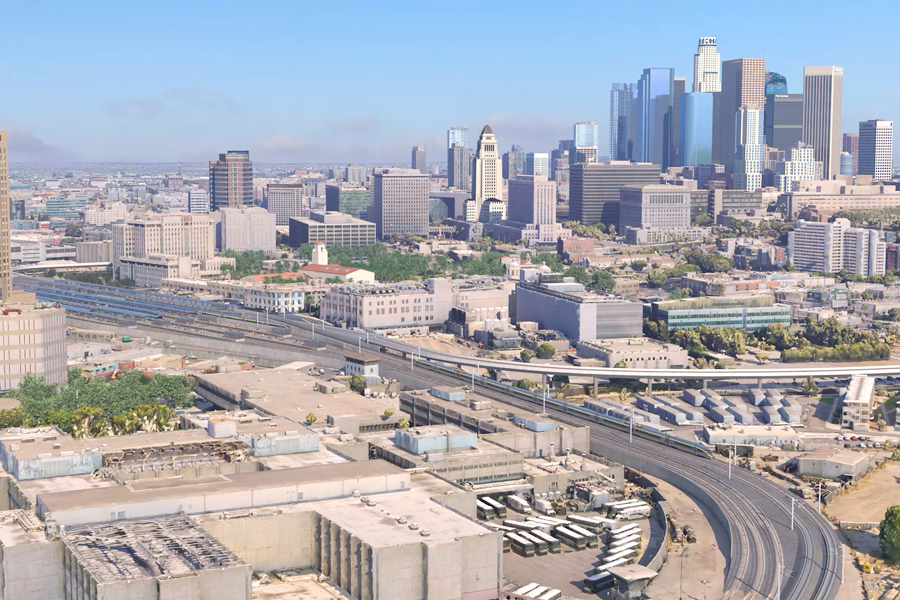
[695, 137]
[656, 90]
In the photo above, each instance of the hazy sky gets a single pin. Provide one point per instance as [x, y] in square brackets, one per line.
[362, 82]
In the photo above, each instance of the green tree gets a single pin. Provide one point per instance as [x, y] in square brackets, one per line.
[620, 365]
[403, 423]
[358, 383]
[603, 280]
[13, 417]
[89, 422]
[524, 384]
[388, 412]
[889, 534]
[545, 351]
[638, 265]
[810, 387]
[657, 278]
[579, 273]
[679, 293]
[526, 355]
[701, 220]
[310, 418]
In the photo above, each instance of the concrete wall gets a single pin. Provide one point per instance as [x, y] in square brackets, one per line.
[537, 443]
[32, 571]
[270, 542]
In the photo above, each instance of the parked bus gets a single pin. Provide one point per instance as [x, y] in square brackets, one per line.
[499, 509]
[537, 592]
[570, 538]
[590, 538]
[623, 528]
[525, 589]
[610, 565]
[551, 595]
[552, 543]
[540, 546]
[634, 512]
[599, 582]
[520, 545]
[485, 512]
[520, 525]
[614, 557]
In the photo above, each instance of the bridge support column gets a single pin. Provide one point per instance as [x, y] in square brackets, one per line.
[595, 387]
[649, 386]
[705, 384]
[759, 383]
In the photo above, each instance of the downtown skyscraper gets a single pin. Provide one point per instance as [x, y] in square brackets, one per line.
[5, 225]
[743, 86]
[459, 166]
[822, 103]
[876, 149]
[487, 175]
[417, 159]
[707, 67]
[655, 117]
[621, 103]
[750, 140]
[586, 138]
[231, 180]
[457, 135]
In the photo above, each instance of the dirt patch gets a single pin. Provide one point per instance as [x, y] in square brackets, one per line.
[869, 500]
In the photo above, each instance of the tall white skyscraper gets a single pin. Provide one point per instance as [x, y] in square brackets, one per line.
[5, 225]
[876, 149]
[800, 167]
[707, 66]
[822, 103]
[487, 176]
[586, 138]
[750, 139]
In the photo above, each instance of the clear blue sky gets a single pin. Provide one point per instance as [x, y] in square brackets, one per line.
[362, 82]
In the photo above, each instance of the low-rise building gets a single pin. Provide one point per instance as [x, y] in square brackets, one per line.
[720, 284]
[561, 304]
[636, 353]
[331, 228]
[747, 312]
[828, 463]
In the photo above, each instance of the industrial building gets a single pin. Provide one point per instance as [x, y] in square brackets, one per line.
[747, 312]
[561, 304]
[636, 353]
[827, 463]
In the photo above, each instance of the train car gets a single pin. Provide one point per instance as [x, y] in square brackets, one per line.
[499, 509]
[570, 538]
[520, 545]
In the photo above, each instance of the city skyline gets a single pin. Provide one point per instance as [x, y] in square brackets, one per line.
[159, 107]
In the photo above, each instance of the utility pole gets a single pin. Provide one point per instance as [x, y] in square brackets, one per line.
[359, 345]
[631, 428]
[793, 500]
[730, 457]
[820, 497]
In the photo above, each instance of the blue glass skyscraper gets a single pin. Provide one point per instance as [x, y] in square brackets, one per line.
[656, 91]
[620, 133]
[696, 124]
[776, 83]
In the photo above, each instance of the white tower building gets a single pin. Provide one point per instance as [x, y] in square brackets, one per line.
[487, 176]
[749, 142]
[707, 67]
[876, 149]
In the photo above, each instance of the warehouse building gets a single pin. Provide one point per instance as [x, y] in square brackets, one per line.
[828, 463]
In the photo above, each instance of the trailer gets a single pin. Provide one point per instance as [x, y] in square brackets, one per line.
[520, 545]
[634, 512]
[544, 507]
[612, 557]
[540, 546]
[501, 528]
[570, 538]
[552, 543]
[625, 503]
[518, 504]
[590, 538]
[485, 512]
[599, 582]
[499, 509]
[546, 519]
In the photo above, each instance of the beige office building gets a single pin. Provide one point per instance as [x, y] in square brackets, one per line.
[176, 235]
[247, 228]
[822, 103]
[401, 202]
[487, 176]
[743, 86]
[5, 225]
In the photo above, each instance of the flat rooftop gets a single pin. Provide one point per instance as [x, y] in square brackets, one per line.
[104, 445]
[147, 548]
[845, 457]
[175, 488]
[247, 422]
[289, 392]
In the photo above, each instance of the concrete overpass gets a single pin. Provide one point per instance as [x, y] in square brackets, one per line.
[65, 266]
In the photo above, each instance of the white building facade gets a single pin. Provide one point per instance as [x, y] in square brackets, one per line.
[707, 66]
[487, 175]
[832, 247]
[876, 149]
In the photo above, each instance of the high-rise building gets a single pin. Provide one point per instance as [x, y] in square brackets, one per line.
[822, 103]
[851, 145]
[458, 166]
[655, 206]
[537, 163]
[487, 180]
[800, 167]
[751, 140]
[5, 224]
[286, 200]
[620, 100]
[247, 228]
[677, 92]
[695, 122]
[655, 119]
[520, 155]
[594, 188]
[198, 202]
[743, 85]
[401, 202]
[457, 135]
[355, 174]
[776, 83]
[876, 149]
[345, 198]
[418, 159]
[231, 180]
[587, 137]
[784, 120]
[846, 164]
[532, 199]
[707, 67]
[832, 247]
[559, 158]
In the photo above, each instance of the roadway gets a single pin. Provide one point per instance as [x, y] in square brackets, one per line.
[762, 550]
